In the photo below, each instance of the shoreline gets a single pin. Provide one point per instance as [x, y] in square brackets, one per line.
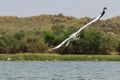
[57, 57]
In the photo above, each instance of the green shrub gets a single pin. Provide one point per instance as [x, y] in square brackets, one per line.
[10, 44]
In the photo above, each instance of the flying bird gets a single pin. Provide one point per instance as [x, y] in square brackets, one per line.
[76, 35]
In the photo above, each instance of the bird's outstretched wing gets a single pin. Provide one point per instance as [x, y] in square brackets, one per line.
[97, 18]
[94, 20]
[58, 46]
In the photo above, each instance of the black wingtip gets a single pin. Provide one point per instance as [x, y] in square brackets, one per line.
[105, 8]
[103, 12]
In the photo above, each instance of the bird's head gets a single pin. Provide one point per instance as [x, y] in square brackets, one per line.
[78, 35]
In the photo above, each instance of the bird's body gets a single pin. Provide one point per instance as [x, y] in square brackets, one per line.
[76, 35]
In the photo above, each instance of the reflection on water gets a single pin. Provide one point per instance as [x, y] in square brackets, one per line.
[59, 70]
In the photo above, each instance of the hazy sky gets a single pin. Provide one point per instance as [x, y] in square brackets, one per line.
[76, 8]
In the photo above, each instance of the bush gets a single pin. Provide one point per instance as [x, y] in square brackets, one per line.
[33, 43]
[19, 35]
[10, 44]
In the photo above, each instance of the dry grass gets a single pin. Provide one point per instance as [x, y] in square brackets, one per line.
[57, 57]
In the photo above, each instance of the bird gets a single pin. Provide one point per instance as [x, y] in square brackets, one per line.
[76, 35]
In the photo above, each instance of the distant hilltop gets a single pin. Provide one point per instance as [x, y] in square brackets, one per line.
[11, 24]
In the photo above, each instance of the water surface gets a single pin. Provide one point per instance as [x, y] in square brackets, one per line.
[59, 70]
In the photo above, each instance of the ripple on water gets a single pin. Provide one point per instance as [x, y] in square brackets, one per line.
[59, 70]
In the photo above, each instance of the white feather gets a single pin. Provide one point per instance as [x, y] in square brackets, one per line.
[67, 43]
[58, 46]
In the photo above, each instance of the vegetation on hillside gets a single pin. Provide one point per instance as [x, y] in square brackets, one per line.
[37, 34]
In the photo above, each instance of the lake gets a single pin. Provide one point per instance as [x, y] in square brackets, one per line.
[59, 70]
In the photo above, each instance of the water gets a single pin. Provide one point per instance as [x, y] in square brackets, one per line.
[59, 70]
